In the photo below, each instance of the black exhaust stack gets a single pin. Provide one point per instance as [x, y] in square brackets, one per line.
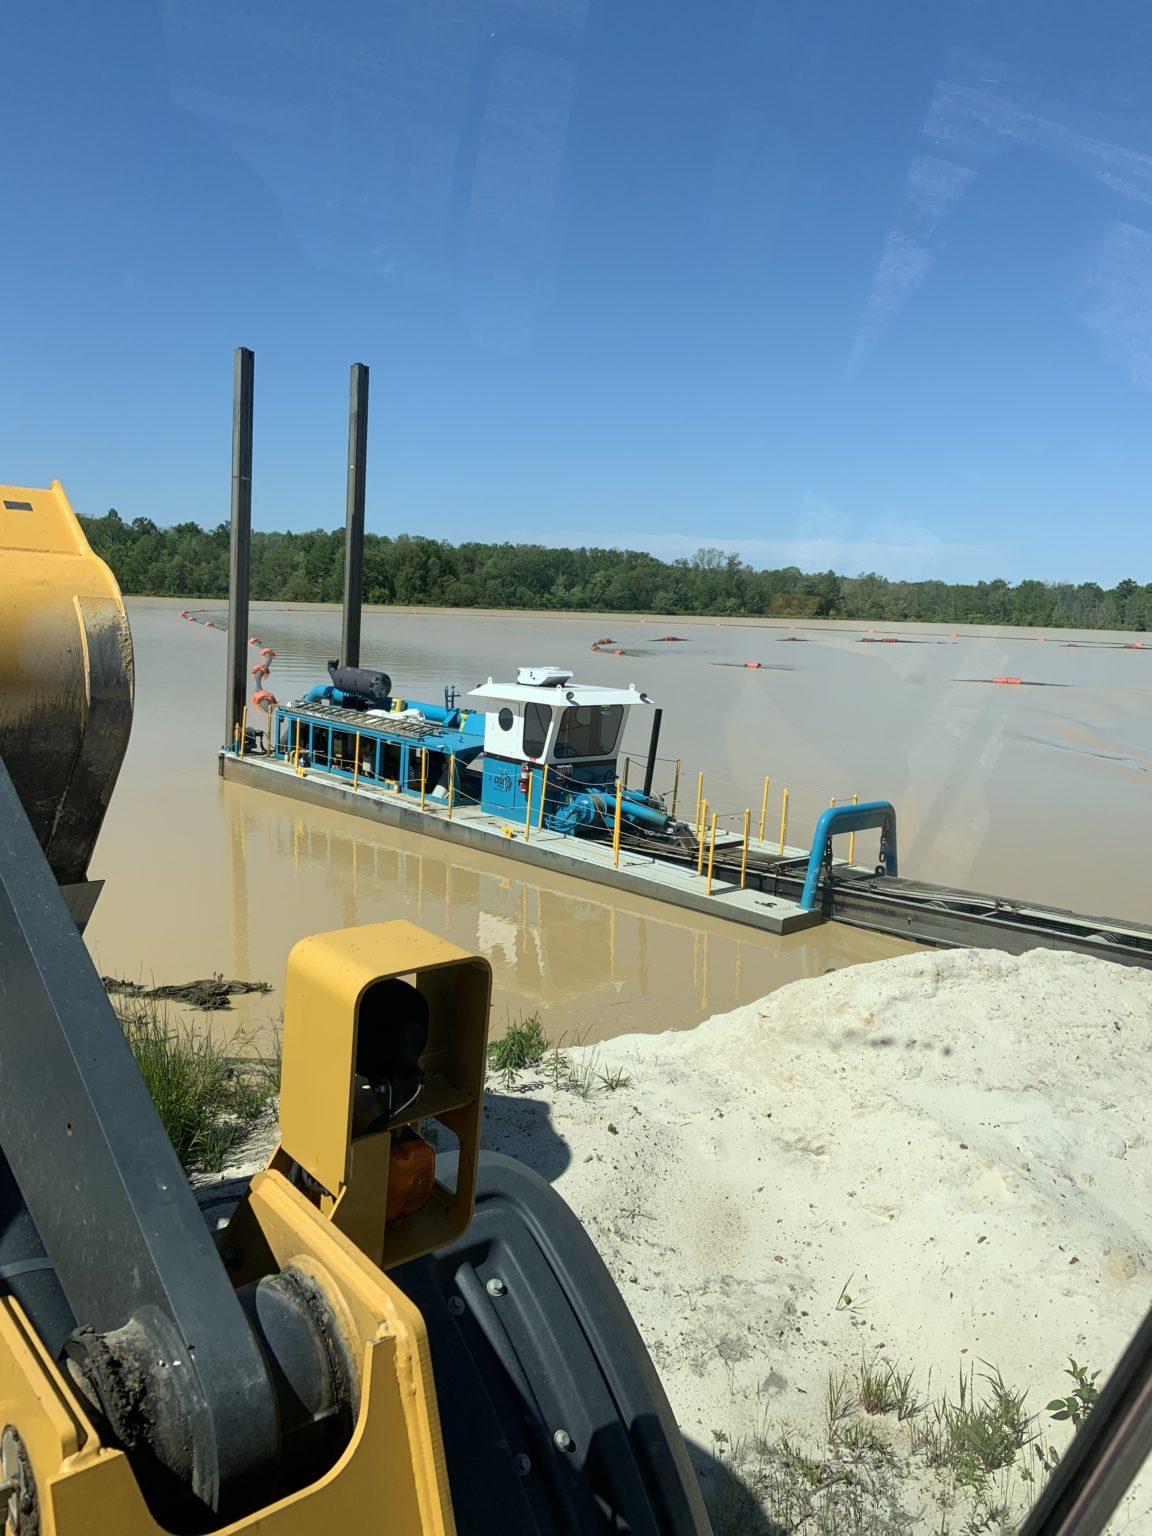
[240, 557]
[657, 716]
[354, 526]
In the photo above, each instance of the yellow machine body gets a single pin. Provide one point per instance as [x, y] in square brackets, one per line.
[66, 679]
[393, 1470]
[333, 1232]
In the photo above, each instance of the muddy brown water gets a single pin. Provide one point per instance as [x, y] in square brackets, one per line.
[1037, 791]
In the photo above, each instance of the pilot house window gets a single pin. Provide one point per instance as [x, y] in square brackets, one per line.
[537, 718]
[589, 730]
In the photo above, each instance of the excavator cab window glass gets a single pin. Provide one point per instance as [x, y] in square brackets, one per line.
[537, 719]
[589, 730]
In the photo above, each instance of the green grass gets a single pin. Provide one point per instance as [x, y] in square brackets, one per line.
[884, 1388]
[975, 1433]
[525, 1045]
[522, 1045]
[968, 1462]
[207, 1095]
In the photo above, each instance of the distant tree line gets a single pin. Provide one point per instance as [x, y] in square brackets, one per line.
[189, 561]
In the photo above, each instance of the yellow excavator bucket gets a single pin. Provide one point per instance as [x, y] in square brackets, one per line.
[65, 679]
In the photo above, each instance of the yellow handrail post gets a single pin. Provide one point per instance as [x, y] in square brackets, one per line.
[764, 806]
[356, 763]
[700, 838]
[699, 800]
[783, 820]
[243, 729]
[744, 855]
[711, 854]
[423, 774]
[616, 827]
[852, 836]
[675, 787]
[451, 782]
[528, 807]
[543, 799]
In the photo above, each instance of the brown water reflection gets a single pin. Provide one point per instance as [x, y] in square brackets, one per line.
[987, 780]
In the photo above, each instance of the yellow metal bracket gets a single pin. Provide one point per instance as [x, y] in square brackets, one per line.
[330, 976]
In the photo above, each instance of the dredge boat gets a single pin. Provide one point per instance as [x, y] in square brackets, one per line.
[531, 770]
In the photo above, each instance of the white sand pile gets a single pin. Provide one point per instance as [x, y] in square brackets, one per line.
[954, 1141]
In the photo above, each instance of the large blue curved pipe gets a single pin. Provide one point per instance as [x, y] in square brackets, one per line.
[849, 818]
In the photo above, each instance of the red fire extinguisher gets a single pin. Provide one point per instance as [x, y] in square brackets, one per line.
[525, 771]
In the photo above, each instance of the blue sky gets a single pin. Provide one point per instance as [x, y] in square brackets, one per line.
[852, 283]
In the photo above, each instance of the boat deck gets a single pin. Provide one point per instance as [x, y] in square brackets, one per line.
[640, 873]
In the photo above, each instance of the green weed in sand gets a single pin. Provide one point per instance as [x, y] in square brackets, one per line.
[208, 1096]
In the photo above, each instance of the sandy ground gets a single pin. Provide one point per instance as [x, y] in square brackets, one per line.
[955, 1140]
[938, 1161]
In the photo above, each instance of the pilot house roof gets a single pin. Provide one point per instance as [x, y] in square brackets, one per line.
[491, 694]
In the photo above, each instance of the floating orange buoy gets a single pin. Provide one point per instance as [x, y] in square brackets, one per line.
[604, 640]
[269, 653]
[1005, 679]
[208, 624]
[1134, 645]
[183, 613]
[670, 637]
[262, 699]
[261, 669]
[617, 653]
[751, 664]
[254, 640]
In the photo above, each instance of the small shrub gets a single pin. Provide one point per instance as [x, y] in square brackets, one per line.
[1078, 1404]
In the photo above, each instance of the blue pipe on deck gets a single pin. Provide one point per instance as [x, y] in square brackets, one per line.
[584, 809]
[849, 818]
